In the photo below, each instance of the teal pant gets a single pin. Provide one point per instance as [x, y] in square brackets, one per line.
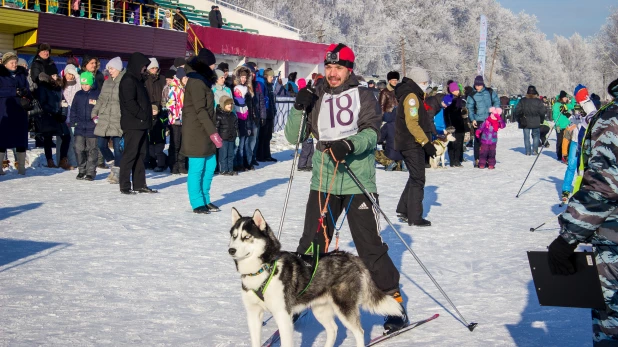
[201, 172]
[567, 185]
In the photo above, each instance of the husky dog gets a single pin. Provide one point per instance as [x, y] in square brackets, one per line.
[284, 284]
[440, 146]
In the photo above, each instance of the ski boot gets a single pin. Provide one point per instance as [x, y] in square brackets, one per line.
[394, 323]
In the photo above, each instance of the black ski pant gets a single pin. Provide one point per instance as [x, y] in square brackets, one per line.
[364, 223]
[559, 136]
[264, 136]
[176, 159]
[411, 200]
[544, 131]
[48, 144]
[157, 155]
[455, 149]
[132, 163]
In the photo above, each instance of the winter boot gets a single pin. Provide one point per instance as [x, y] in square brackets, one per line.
[64, 164]
[213, 208]
[21, 163]
[50, 164]
[113, 175]
[394, 323]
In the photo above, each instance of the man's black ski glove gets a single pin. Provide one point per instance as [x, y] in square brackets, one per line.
[340, 149]
[304, 99]
[430, 149]
[560, 252]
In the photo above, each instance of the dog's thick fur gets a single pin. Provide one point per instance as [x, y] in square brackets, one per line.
[441, 146]
[341, 284]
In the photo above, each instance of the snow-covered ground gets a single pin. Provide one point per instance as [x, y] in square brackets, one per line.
[82, 265]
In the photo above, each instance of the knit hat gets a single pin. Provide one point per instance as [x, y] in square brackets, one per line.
[223, 67]
[301, 83]
[170, 74]
[180, 73]
[115, 63]
[86, 78]
[269, 72]
[340, 54]
[393, 75]
[8, 56]
[251, 65]
[479, 81]
[219, 73]
[153, 63]
[453, 86]
[224, 100]
[71, 69]
[532, 90]
[205, 56]
[419, 75]
[563, 94]
[22, 62]
[178, 62]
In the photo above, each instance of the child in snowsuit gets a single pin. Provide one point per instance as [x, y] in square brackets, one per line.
[488, 133]
[86, 150]
[227, 127]
[157, 139]
[174, 105]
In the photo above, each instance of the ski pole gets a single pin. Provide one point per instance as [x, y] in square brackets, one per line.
[537, 158]
[287, 193]
[547, 221]
[470, 326]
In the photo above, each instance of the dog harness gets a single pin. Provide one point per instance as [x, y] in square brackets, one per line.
[266, 267]
[439, 142]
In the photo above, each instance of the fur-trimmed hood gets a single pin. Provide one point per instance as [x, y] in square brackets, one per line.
[249, 83]
[6, 72]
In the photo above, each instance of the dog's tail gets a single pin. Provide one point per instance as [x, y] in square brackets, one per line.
[375, 301]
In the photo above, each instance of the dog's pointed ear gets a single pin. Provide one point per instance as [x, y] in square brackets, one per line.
[235, 216]
[259, 220]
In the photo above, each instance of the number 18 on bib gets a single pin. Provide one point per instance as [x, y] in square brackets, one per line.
[338, 117]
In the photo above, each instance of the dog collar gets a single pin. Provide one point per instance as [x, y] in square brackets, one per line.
[265, 267]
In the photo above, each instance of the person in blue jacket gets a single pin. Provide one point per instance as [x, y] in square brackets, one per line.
[478, 104]
[86, 150]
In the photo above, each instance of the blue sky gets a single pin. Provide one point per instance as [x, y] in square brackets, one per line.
[565, 17]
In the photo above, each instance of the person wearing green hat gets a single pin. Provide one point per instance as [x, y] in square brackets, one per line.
[86, 149]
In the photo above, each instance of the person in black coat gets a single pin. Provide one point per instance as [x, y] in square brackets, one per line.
[44, 74]
[530, 114]
[453, 118]
[387, 138]
[135, 121]
[214, 17]
[227, 127]
[14, 93]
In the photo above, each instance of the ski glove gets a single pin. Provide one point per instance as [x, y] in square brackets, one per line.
[560, 252]
[304, 99]
[340, 149]
[430, 149]
[216, 139]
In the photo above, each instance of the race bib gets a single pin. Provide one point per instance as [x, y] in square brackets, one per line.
[338, 117]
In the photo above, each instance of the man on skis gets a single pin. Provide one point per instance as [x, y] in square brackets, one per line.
[592, 217]
[345, 119]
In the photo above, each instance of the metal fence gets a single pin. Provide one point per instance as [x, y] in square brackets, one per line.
[284, 105]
